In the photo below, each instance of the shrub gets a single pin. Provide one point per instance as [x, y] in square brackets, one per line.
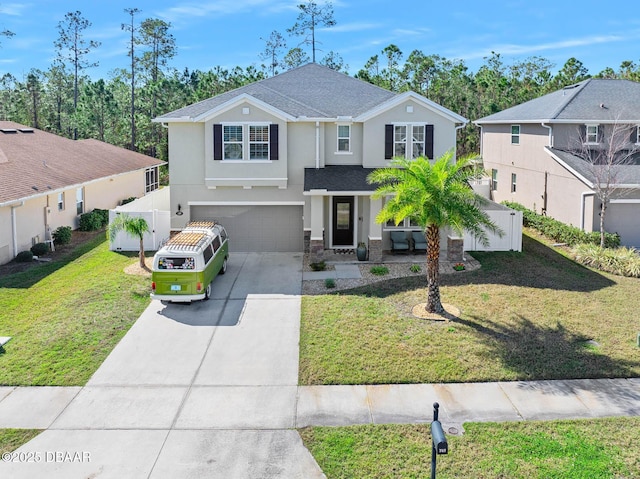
[319, 266]
[62, 235]
[103, 215]
[415, 268]
[39, 249]
[330, 283]
[90, 221]
[128, 200]
[24, 256]
[379, 270]
[620, 261]
[560, 232]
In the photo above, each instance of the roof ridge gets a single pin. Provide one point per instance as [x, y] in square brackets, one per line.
[578, 88]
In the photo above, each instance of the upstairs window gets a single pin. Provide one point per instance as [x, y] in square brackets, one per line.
[592, 134]
[494, 179]
[61, 201]
[408, 140]
[344, 138]
[513, 182]
[232, 142]
[515, 134]
[245, 141]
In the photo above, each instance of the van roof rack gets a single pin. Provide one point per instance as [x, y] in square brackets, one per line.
[187, 240]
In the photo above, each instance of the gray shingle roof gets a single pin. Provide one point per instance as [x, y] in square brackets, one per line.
[38, 162]
[312, 90]
[628, 174]
[620, 100]
[338, 178]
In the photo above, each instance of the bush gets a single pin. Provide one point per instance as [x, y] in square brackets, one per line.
[319, 266]
[62, 235]
[330, 283]
[103, 215]
[90, 221]
[620, 261]
[24, 257]
[415, 268]
[560, 232]
[39, 249]
[379, 270]
[128, 200]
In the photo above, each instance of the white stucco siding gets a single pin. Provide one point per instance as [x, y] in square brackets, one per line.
[335, 157]
[373, 131]
[186, 153]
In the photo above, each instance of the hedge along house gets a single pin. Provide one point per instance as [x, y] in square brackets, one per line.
[47, 181]
[282, 162]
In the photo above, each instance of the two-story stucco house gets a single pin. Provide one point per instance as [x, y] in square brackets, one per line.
[537, 154]
[282, 162]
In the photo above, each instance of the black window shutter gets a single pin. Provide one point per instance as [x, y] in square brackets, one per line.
[428, 143]
[388, 142]
[633, 136]
[217, 142]
[273, 142]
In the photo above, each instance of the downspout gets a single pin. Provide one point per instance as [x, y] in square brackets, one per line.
[317, 145]
[550, 134]
[545, 197]
[14, 228]
[583, 196]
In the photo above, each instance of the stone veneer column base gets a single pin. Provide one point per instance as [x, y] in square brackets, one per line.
[455, 249]
[316, 250]
[375, 250]
[307, 241]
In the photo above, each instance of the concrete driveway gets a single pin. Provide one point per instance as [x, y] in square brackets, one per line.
[206, 389]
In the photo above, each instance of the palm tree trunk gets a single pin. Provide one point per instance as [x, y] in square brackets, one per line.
[433, 270]
[141, 254]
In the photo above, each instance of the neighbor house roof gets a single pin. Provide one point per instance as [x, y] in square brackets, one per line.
[593, 100]
[628, 175]
[34, 162]
[310, 91]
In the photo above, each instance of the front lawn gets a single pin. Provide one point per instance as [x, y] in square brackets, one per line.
[65, 317]
[585, 449]
[525, 316]
[12, 439]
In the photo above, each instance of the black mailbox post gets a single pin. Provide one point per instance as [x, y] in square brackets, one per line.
[438, 440]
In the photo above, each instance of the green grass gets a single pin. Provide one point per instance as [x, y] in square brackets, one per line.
[524, 316]
[12, 439]
[584, 449]
[66, 317]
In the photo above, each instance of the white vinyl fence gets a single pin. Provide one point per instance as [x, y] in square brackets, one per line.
[154, 208]
[509, 221]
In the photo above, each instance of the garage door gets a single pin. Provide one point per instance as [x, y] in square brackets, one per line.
[257, 227]
[624, 219]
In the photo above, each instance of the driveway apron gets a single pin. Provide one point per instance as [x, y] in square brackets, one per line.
[206, 389]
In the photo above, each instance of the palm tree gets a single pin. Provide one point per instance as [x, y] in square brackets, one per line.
[133, 226]
[434, 195]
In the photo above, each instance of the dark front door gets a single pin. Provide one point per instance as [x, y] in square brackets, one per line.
[343, 221]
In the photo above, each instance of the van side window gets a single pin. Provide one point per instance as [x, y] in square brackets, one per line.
[208, 254]
[223, 232]
[216, 243]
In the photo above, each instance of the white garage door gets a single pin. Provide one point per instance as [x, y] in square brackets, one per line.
[257, 227]
[624, 219]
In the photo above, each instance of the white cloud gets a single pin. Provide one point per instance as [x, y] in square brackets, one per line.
[185, 11]
[13, 9]
[352, 27]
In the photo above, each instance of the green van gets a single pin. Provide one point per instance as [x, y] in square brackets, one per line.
[185, 266]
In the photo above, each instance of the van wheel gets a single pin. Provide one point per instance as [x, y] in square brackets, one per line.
[223, 270]
[207, 292]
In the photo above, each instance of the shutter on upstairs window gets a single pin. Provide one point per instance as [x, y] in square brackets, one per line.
[428, 141]
[388, 142]
[217, 142]
[273, 142]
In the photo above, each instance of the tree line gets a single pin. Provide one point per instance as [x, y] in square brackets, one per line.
[64, 99]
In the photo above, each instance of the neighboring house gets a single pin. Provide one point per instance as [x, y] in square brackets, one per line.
[282, 163]
[534, 153]
[47, 181]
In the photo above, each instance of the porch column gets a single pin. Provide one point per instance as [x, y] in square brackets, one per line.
[316, 241]
[375, 231]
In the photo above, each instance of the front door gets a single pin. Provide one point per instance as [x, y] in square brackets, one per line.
[343, 221]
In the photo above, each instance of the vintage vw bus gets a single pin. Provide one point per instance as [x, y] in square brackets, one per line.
[185, 266]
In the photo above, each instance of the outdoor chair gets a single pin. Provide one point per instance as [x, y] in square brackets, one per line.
[419, 241]
[399, 241]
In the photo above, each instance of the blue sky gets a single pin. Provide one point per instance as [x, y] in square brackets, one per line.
[228, 33]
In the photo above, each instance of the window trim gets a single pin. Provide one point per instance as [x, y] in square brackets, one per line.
[80, 202]
[338, 138]
[408, 141]
[246, 141]
[587, 134]
[515, 136]
[514, 179]
[61, 202]
[494, 179]
[151, 179]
